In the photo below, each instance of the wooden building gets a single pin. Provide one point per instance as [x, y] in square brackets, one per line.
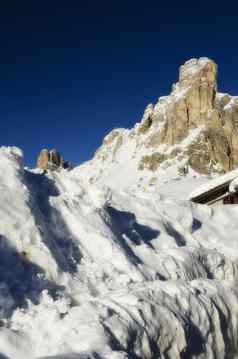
[219, 191]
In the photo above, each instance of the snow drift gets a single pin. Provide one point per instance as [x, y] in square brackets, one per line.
[87, 272]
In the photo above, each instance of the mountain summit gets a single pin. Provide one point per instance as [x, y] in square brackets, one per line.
[193, 129]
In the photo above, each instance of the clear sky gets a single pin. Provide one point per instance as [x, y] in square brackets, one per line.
[70, 71]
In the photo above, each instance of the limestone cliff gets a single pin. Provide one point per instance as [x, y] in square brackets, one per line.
[195, 103]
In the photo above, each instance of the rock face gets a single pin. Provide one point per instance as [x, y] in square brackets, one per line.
[52, 160]
[195, 103]
[192, 100]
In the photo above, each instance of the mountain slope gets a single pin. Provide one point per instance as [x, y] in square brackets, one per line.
[193, 130]
[88, 272]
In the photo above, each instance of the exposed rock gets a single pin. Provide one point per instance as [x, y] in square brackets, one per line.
[43, 159]
[192, 99]
[194, 103]
[52, 160]
[151, 162]
[147, 120]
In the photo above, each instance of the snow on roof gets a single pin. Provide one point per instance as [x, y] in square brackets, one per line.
[228, 177]
[233, 188]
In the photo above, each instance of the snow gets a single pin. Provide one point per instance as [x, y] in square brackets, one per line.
[109, 168]
[233, 188]
[89, 271]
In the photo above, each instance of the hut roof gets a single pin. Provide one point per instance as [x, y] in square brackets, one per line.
[216, 183]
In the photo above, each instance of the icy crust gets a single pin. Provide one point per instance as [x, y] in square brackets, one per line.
[89, 272]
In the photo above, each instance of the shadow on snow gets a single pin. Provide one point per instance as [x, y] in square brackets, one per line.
[55, 233]
[127, 229]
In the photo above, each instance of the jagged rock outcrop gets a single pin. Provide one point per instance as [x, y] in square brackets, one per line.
[193, 98]
[52, 160]
[194, 103]
[195, 128]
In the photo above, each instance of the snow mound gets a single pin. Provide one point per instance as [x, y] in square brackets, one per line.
[91, 272]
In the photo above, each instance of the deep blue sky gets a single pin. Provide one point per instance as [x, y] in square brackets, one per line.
[70, 71]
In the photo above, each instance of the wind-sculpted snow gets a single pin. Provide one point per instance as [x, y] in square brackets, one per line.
[87, 272]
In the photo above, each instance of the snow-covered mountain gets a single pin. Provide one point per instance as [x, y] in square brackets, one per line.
[109, 260]
[194, 130]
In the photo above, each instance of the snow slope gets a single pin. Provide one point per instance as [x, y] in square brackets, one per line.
[91, 272]
[121, 171]
[118, 167]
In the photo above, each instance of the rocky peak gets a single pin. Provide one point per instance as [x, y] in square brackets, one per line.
[202, 70]
[192, 99]
[52, 160]
[194, 103]
[195, 127]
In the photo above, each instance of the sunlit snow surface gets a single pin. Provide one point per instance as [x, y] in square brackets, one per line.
[89, 272]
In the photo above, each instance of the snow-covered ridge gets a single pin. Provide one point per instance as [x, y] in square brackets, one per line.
[90, 272]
